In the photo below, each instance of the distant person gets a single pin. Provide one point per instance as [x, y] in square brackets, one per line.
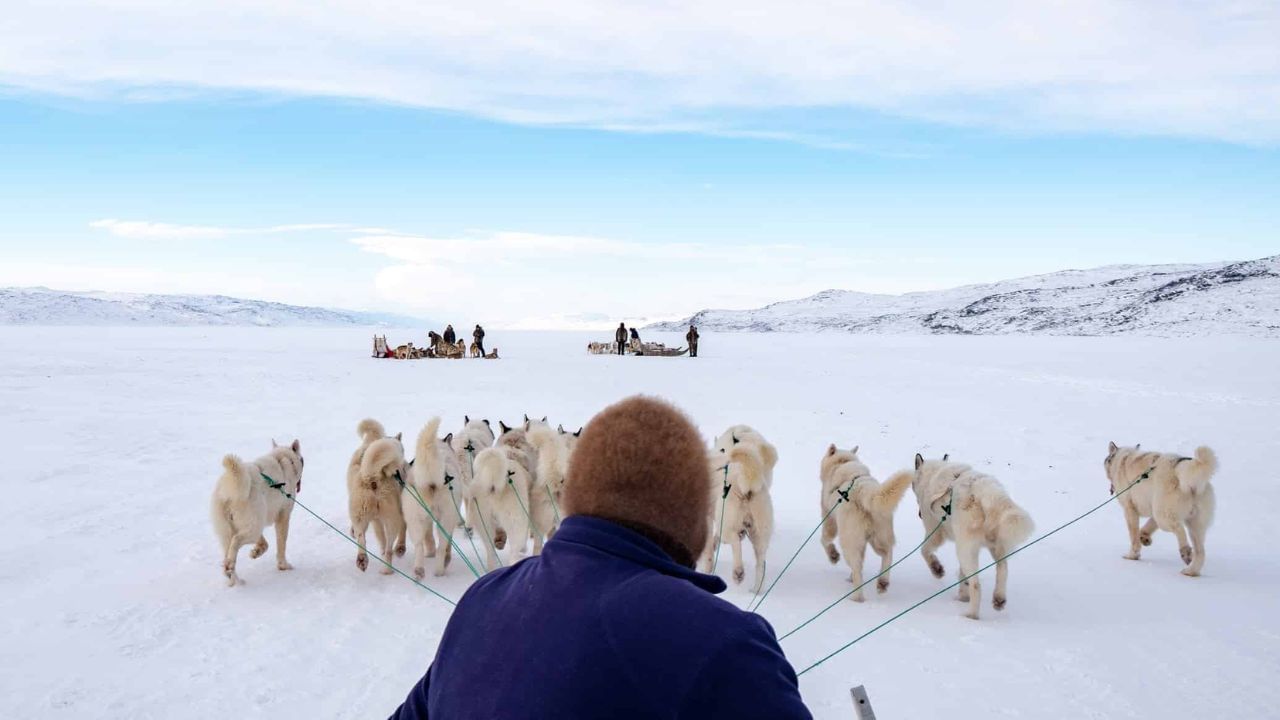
[611, 620]
[620, 337]
[691, 338]
[449, 335]
[635, 336]
[478, 336]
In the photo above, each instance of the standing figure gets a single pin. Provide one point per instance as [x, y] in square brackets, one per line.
[620, 338]
[478, 336]
[449, 335]
[691, 338]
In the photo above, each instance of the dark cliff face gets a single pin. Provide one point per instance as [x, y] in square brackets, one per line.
[1241, 298]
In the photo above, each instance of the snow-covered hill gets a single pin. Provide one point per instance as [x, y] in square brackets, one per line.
[1229, 298]
[42, 306]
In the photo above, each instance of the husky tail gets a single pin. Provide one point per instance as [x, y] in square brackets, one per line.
[490, 471]
[384, 458]
[428, 445]
[890, 493]
[369, 430]
[752, 471]
[235, 482]
[1194, 473]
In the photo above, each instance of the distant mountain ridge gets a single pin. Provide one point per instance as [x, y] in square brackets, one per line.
[1225, 298]
[43, 306]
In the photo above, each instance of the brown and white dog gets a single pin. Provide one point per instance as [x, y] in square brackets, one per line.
[374, 476]
[243, 505]
[1176, 495]
[983, 516]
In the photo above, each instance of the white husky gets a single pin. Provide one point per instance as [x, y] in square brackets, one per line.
[555, 449]
[434, 469]
[983, 515]
[475, 435]
[374, 475]
[747, 510]
[1176, 496]
[243, 505]
[864, 516]
[501, 491]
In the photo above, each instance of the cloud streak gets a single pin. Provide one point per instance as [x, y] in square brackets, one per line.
[147, 230]
[1195, 69]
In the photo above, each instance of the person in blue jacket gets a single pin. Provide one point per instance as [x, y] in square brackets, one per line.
[611, 620]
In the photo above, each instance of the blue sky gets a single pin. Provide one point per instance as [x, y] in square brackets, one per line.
[540, 194]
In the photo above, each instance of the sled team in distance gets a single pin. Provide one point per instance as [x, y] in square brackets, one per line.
[439, 345]
[503, 488]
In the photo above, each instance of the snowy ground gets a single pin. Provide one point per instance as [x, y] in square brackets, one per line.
[114, 605]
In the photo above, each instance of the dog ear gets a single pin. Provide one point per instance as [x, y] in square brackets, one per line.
[1138, 446]
[503, 427]
[831, 449]
[448, 439]
[273, 444]
[560, 428]
[855, 449]
[544, 418]
[946, 457]
[1112, 447]
[526, 419]
[296, 446]
[398, 436]
[579, 433]
[919, 460]
[486, 422]
[466, 419]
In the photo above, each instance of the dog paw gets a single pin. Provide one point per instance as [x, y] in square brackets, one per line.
[400, 550]
[739, 574]
[431, 553]
[882, 584]
[467, 529]
[420, 572]
[1190, 573]
[258, 548]
[1186, 554]
[833, 554]
[439, 572]
[972, 615]
[386, 570]
[998, 602]
[500, 539]
[362, 562]
[283, 565]
[858, 597]
[1131, 556]
[936, 568]
[1145, 539]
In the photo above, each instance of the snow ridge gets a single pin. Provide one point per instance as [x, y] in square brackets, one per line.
[1226, 298]
[43, 306]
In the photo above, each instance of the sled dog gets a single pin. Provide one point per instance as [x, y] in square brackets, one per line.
[554, 448]
[983, 515]
[243, 505]
[435, 468]
[747, 511]
[1176, 495]
[475, 349]
[501, 490]
[374, 477]
[866, 517]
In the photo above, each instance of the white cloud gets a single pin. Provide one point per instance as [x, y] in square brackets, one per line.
[530, 280]
[1199, 69]
[146, 230]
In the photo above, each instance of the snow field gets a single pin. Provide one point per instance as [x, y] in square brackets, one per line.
[115, 604]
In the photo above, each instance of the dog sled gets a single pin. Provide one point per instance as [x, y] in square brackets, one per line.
[438, 349]
[660, 350]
